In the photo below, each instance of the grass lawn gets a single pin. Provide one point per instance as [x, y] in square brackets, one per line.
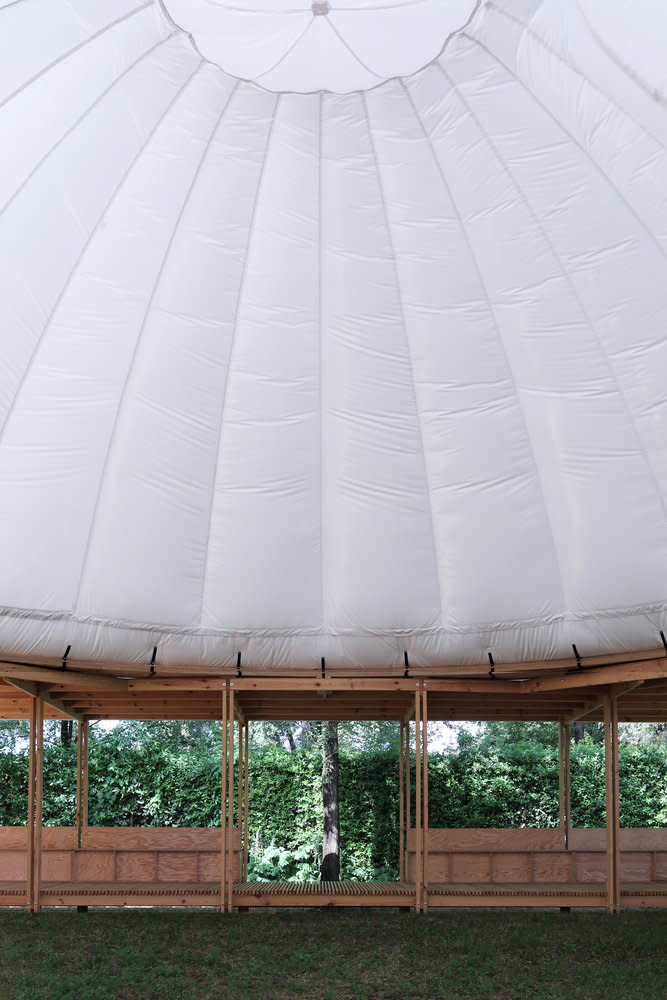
[332, 955]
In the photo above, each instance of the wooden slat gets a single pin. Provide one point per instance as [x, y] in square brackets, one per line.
[419, 842]
[223, 799]
[425, 818]
[401, 800]
[230, 793]
[81, 780]
[564, 792]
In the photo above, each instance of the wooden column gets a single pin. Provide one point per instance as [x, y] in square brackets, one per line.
[224, 799]
[401, 802]
[419, 843]
[565, 797]
[35, 796]
[425, 866]
[612, 804]
[240, 793]
[81, 781]
[407, 792]
[246, 803]
[229, 877]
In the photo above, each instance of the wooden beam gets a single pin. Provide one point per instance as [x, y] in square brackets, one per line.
[638, 671]
[489, 687]
[33, 689]
[62, 678]
[286, 684]
[595, 703]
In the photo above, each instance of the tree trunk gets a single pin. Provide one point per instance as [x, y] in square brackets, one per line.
[330, 869]
[66, 732]
[578, 732]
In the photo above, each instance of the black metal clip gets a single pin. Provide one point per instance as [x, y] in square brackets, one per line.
[64, 666]
[580, 665]
[153, 660]
[492, 667]
[323, 666]
[238, 665]
[406, 672]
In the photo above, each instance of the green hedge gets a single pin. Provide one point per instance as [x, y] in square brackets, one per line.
[154, 783]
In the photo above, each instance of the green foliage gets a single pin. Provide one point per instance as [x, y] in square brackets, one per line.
[155, 774]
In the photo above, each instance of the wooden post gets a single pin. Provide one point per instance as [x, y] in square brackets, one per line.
[246, 803]
[30, 817]
[81, 781]
[240, 794]
[565, 797]
[408, 790]
[223, 802]
[35, 796]
[419, 844]
[230, 814]
[425, 827]
[612, 804]
[401, 803]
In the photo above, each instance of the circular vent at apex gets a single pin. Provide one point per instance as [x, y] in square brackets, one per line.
[301, 46]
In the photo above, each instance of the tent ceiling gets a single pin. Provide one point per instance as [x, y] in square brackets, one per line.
[333, 375]
[309, 45]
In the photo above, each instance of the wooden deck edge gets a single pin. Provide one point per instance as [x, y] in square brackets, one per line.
[351, 894]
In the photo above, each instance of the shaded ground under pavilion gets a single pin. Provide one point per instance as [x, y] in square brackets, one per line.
[564, 867]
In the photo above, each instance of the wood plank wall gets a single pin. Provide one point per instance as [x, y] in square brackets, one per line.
[118, 855]
[534, 857]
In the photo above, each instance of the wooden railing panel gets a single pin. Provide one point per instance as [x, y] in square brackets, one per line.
[13, 838]
[538, 857]
[94, 866]
[13, 865]
[136, 866]
[155, 838]
[511, 867]
[181, 866]
[590, 867]
[470, 867]
[553, 868]
[118, 855]
[56, 866]
[209, 866]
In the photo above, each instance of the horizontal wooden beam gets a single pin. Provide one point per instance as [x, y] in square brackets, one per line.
[595, 703]
[33, 689]
[61, 678]
[639, 671]
[273, 683]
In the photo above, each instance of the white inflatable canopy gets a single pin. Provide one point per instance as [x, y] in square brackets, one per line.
[332, 329]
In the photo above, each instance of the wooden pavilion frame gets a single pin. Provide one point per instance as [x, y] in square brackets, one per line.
[564, 867]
